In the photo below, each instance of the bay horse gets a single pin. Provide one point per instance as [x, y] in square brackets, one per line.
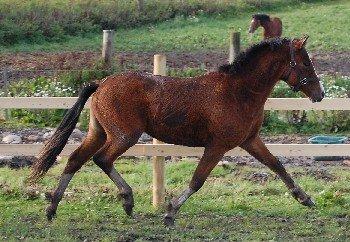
[272, 26]
[218, 111]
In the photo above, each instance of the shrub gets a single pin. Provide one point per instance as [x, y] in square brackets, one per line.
[64, 85]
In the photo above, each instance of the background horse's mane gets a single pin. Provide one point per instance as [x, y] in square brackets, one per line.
[261, 17]
[242, 61]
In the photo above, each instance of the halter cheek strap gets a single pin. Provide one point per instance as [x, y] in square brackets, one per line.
[293, 65]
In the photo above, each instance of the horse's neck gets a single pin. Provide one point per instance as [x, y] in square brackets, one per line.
[272, 28]
[258, 84]
[268, 29]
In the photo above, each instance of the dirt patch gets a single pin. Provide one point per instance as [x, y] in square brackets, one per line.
[321, 174]
[41, 63]
[318, 174]
[258, 177]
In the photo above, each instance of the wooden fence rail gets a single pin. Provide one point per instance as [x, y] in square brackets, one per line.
[271, 104]
[161, 150]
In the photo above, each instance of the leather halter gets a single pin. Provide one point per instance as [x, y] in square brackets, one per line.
[293, 67]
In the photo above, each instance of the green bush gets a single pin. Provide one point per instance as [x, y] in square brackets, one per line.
[64, 85]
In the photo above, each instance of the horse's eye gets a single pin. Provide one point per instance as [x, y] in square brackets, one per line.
[307, 63]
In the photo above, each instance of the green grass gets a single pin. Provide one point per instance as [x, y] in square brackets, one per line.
[228, 207]
[326, 24]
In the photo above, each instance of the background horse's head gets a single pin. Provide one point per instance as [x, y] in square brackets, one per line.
[257, 20]
[300, 73]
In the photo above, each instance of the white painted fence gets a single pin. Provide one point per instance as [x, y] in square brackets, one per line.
[271, 104]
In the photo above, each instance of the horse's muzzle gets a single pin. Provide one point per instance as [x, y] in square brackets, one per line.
[318, 98]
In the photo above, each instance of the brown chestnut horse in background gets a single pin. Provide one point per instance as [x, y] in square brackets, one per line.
[218, 111]
[272, 26]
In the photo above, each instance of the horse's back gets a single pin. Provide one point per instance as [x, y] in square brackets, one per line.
[174, 110]
[277, 26]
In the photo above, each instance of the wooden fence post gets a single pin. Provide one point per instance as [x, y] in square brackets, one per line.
[5, 76]
[107, 47]
[158, 162]
[140, 5]
[5, 113]
[235, 46]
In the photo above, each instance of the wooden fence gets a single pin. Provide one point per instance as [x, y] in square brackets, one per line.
[162, 150]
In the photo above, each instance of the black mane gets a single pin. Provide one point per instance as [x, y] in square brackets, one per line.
[241, 62]
[261, 17]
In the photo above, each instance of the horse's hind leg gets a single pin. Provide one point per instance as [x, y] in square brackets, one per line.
[115, 146]
[208, 161]
[91, 144]
[258, 149]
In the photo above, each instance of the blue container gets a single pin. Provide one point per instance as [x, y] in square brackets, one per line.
[323, 139]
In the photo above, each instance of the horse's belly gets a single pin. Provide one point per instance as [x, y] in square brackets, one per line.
[187, 135]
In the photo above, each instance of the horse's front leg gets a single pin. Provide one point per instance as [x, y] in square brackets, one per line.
[258, 149]
[209, 160]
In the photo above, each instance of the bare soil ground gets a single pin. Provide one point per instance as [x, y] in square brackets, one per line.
[31, 64]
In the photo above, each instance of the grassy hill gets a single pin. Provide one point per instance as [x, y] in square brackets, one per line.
[324, 21]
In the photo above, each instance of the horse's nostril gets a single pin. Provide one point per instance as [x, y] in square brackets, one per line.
[320, 98]
[322, 94]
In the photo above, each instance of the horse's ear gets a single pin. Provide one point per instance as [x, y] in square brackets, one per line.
[304, 39]
[300, 43]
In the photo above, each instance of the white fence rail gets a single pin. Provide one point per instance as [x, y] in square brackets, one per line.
[271, 104]
[176, 150]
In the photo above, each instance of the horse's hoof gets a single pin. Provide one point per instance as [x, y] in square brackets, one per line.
[50, 213]
[169, 221]
[128, 209]
[308, 202]
[302, 197]
[128, 202]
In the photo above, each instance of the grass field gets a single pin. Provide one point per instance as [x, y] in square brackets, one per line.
[230, 206]
[54, 20]
[325, 22]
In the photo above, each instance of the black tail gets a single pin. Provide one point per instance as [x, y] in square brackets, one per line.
[55, 145]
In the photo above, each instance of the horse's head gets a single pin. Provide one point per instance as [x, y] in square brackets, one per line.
[254, 24]
[257, 20]
[300, 73]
